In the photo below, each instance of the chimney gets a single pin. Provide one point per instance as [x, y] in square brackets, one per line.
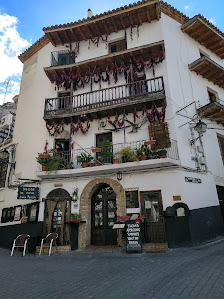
[90, 13]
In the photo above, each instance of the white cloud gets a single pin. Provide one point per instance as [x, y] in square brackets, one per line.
[11, 45]
[212, 20]
[186, 7]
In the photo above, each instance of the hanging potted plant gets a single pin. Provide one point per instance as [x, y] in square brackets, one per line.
[150, 142]
[75, 217]
[44, 155]
[96, 150]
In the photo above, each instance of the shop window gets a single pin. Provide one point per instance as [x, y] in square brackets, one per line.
[32, 212]
[221, 146]
[118, 46]
[64, 99]
[3, 171]
[212, 95]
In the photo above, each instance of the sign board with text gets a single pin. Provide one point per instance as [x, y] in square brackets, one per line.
[28, 193]
[133, 235]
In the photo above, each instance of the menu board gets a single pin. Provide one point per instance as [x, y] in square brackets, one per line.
[134, 236]
[132, 201]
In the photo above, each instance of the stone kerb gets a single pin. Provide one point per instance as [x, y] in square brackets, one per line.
[85, 206]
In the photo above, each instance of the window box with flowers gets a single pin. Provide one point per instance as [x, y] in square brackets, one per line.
[75, 217]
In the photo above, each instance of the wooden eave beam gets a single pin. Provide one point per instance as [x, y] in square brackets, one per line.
[98, 29]
[131, 20]
[114, 25]
[58, 36]
[50, 38]
[148, 15]
[217, 45]
[49, 76]
[196, 33]
[90, 32]
[139, 18]
[66, 37]
[82, 34]
[158, 11]
[106, 28]
[73, 35]
[122, 22]
[203, 37]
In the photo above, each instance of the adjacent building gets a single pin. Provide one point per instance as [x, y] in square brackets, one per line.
[127, 107]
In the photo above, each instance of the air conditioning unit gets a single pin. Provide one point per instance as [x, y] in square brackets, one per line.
[6, 121]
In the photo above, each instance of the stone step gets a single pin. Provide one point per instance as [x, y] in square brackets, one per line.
[61, 249]
[154, 247]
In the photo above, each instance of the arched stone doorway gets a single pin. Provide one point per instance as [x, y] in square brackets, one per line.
[85, 205]
[57, 213]
[103, 216]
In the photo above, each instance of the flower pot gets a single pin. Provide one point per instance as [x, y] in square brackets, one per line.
[96, 150]
[84, 165]
[44, 168]
[44, 156]
[75, 219]
[116, 161]
[148, 142]
[91, 164]
[143, 158]
[162, 154]
[97, 163]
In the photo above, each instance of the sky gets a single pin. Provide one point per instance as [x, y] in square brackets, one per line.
[22, 21]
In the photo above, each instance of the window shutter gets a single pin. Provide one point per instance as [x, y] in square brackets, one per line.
[159, 132]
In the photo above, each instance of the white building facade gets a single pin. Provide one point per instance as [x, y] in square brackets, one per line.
[132, 84]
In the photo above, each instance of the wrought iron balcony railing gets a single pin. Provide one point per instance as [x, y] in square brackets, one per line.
[111, 154]
[61, 58]
[136, 92]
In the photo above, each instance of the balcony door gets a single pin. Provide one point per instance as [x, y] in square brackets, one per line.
[152, 209]
[104, 217]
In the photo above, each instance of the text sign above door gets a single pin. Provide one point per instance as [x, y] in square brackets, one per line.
[28, 193]
[134, 236]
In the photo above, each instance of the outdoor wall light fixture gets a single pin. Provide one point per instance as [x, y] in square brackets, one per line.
[201, 128]
[119, 176]
[75, 195]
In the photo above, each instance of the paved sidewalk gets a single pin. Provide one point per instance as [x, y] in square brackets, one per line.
[179, 273]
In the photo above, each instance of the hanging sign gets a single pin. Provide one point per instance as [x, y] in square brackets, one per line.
[28, 193]
[134, 236]
[132, 200]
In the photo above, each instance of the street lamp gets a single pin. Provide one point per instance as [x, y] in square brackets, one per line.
[200, 127]
[119, 176]
[75, 195]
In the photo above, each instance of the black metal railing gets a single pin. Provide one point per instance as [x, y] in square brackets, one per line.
[136, 91]
[62, 58]
[111, 154]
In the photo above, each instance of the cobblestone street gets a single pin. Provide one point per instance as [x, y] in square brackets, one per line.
[180, 273]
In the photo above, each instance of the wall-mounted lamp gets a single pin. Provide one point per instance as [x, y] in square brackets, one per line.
[201, 128]
[75, 195]
[4, 154]
[119, 176]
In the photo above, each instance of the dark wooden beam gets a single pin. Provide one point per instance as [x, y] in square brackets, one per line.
[114, 25]
[62, 42]
[51, 39]
[130, 19]
[139, 19]
[73, 35]
[90, 32]
[97, 28]
[158, 11]
[122, 22]
[66, 37]
[106, 28]
[82, 34]
[148, 15]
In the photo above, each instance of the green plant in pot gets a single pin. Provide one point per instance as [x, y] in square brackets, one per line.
[143, 152]
[127, 154]
[84, 159]
[75, 217]
[106, 155]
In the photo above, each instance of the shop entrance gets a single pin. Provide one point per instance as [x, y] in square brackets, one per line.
[56, 214]
[103, 216]
[152, 209]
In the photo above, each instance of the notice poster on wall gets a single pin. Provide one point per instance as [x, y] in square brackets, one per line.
[132, 200]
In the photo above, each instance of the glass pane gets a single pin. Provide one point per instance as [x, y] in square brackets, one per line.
[98, 213]
[111, 216]
[152, 209]
[113, 48]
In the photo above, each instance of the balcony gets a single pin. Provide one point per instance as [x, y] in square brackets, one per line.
[213, 110]
[101, 103]
[209, 70]
[62, 58]
[104, 162]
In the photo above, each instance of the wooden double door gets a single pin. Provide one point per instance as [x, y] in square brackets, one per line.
[103, 217]
[154, 225]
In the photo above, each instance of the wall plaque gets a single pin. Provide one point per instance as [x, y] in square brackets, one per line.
[28, 193]
[134, 236]
[192, 180]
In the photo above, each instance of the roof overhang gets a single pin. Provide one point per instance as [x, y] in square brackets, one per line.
[107, 60]
[106, 23]
[206, 34]
[208, 69]
[213, 110]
